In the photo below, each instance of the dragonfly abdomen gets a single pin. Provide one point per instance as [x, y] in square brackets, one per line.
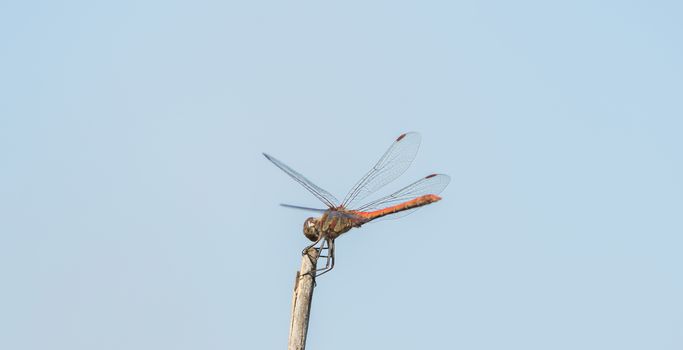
[411, 204]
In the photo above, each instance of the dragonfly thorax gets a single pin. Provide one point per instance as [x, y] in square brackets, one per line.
[332, 224]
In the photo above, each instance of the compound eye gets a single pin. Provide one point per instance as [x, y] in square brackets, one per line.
[309, 229]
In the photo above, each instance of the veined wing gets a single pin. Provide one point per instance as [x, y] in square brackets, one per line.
[393, 163]
[407, 199]
[303, 208]
[321, 194]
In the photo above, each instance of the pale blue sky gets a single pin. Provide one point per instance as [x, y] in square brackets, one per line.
[137, 212]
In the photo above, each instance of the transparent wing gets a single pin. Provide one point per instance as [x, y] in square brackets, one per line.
[321, 194]
[393, 163]
[431, 184]
[303, 208]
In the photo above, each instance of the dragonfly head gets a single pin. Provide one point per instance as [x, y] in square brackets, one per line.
[311, 229]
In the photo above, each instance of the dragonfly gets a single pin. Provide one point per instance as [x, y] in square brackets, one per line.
[355, 211]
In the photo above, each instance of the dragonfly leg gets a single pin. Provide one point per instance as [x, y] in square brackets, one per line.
[322, 242]
[305, 251]
[330, 262]
[327, 257]
[323, 247]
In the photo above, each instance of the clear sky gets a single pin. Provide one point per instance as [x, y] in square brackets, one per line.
[137, 212]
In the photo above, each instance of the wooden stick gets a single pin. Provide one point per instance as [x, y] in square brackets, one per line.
[301, 301]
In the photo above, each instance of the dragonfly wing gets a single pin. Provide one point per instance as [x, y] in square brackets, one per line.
[321, 194]
[432, 184]
[393, 163]
[303, 208]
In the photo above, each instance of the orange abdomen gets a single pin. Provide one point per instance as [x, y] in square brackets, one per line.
[411, 204]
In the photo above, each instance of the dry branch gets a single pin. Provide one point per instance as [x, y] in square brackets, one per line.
[301, 301]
